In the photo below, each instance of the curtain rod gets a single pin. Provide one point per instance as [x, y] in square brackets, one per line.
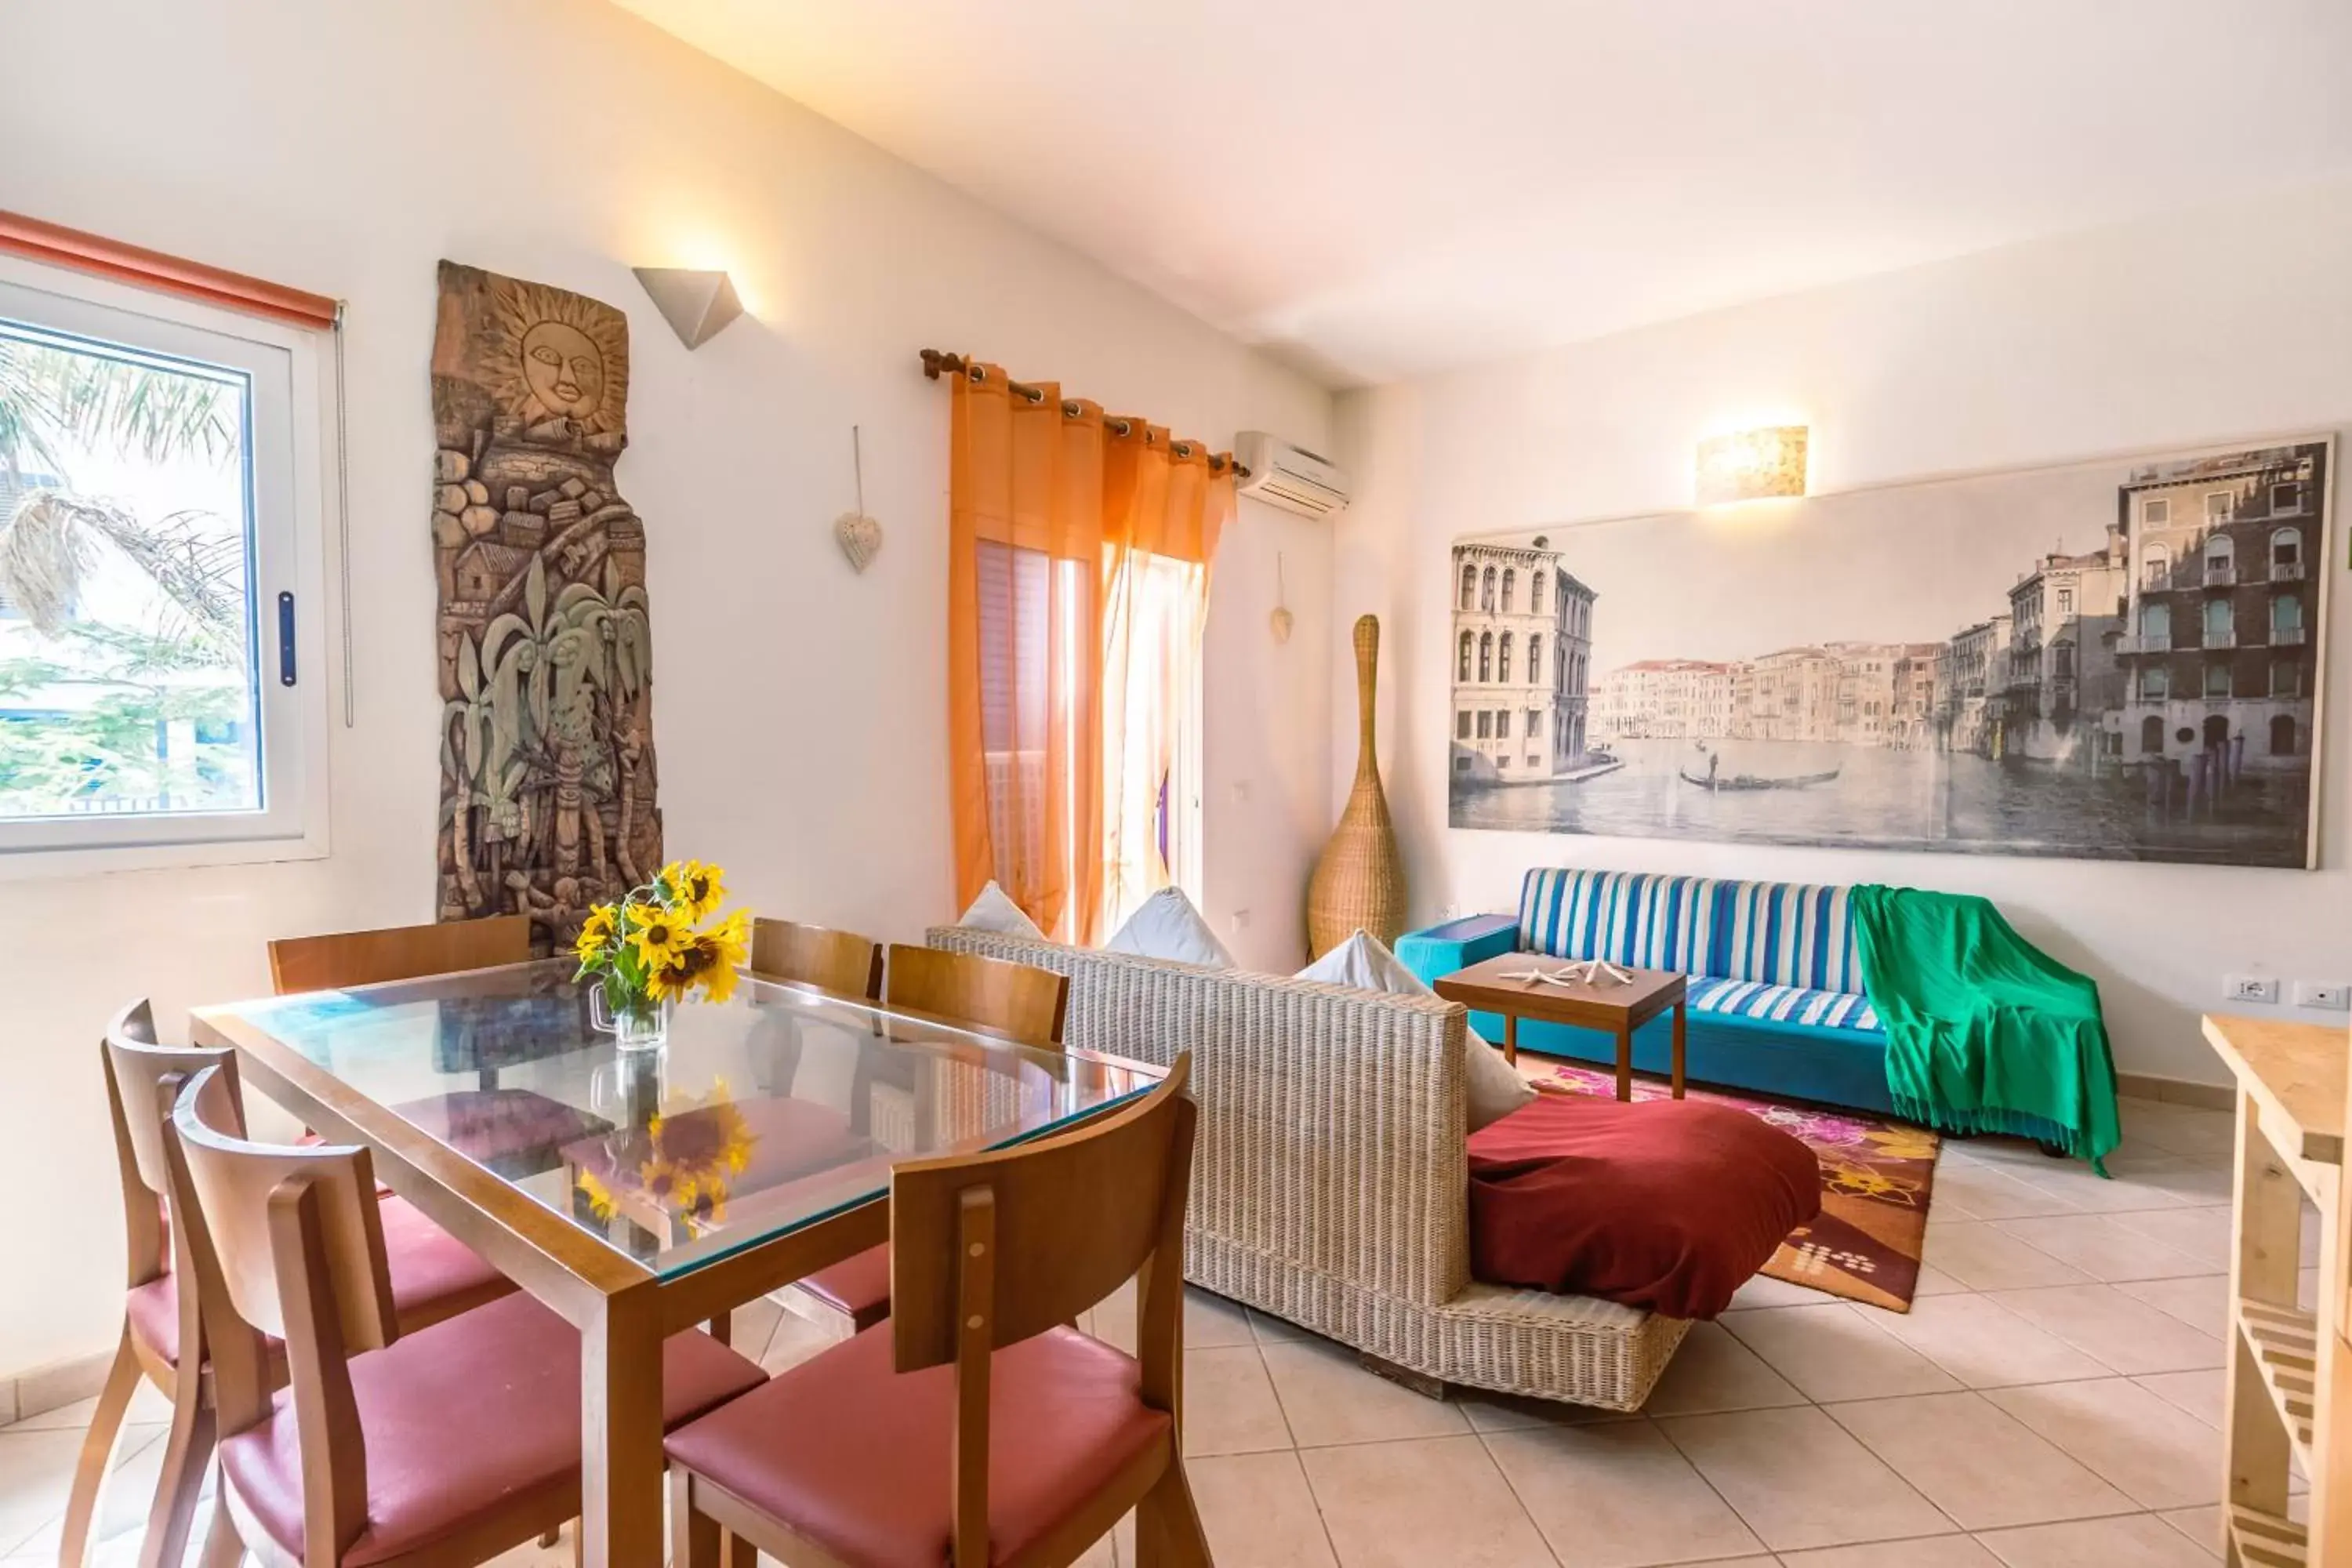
[936, 360]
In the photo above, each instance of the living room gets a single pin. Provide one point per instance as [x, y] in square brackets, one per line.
[1842, 394]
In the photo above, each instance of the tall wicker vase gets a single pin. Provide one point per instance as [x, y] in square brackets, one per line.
[1359, 881]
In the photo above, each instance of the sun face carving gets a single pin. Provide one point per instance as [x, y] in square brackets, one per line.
[559, 356]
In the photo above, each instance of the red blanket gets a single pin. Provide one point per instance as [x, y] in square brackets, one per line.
[1669, 1205]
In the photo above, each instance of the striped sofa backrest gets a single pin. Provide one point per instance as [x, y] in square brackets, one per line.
[1775, 933]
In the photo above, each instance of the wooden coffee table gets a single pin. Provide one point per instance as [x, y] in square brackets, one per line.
[1608, 1006]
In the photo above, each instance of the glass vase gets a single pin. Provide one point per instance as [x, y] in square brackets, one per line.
[640, 1025]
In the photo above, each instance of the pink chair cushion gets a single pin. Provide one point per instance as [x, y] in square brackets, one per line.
[1065, 1417]
[857, 1287]
[433, 1275]
[468, 1420]
[517, 1130]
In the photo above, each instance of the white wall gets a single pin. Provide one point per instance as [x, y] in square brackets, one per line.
[801, 711]
[2231, 320]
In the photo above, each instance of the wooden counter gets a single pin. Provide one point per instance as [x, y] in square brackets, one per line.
[2295, 1072]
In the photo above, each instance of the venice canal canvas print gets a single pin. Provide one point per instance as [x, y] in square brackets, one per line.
[2107, 660]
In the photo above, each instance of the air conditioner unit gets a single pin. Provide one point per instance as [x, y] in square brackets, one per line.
[1291, 478]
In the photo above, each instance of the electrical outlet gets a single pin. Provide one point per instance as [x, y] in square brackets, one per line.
[2335, 994]
[2250, 988]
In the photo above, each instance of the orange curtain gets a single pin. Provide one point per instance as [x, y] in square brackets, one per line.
[1051, 509]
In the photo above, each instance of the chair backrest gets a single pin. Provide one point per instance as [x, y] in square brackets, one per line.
[143, 1079]
[987, 1250]
[1772, 933]
[290, 1244]
[838, 961]
[1014, 1000]
[398, 952]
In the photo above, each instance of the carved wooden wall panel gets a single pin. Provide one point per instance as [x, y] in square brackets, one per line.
[546, 655]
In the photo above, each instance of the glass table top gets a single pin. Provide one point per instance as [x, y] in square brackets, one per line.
[760, 1115]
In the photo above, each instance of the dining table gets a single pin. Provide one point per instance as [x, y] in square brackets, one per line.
[644, 1192]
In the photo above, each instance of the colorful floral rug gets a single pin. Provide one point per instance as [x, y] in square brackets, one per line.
[1877, 1175]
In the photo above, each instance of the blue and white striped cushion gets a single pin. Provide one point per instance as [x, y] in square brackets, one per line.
[1777, 934]
[1785, 1004]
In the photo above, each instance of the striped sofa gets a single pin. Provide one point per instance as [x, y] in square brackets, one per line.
[1776, 1000]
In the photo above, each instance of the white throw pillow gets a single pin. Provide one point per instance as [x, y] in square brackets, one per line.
[1364, 961]
[995, 910]
[1168, 926]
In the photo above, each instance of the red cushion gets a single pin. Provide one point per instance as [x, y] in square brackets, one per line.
[517, 1131]
[472, 1418]
[858, 1286]
[1665, 1204]
[433, 1275]
[1065, 1416]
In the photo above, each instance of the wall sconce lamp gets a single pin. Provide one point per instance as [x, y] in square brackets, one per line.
[694, 304]
[1752, 465]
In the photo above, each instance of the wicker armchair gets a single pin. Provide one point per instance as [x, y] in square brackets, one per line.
[1330, 1185]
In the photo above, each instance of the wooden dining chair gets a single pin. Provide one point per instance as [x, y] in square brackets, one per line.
[514, 1132]
[798, 954]
[975, 1427]
[433, 1277]
[441, 1446]
[1018, 1000]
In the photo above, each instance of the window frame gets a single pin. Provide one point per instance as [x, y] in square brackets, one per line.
[290, 414]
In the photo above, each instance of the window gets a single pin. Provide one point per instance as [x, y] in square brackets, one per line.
[1464, 673]
[2286, 678]
[2220, 623]
[2155, 512]
[1510, 589]
[2156, 626]
[2219, 553]
[1485, 656]
[2151, 736]
[162, 664]
[2065, 604]
[2063, 660]
[2155, 684]
[1534, 723]
[2217, 678]
[1503, 724]
[1486, 725]
[1502, 663]
[1535, 592]
[2156, 567]
[1462, 725]
[2286, 552]
[2286, 618]
[1535, 657]
[2217, 506]
[2282, 735]
[1469, 587]
[2287, 498]
[1486, 591]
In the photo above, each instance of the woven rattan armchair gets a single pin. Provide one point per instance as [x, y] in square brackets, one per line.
[1330, 1182]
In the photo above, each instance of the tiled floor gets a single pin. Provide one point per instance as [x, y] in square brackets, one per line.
[2053, 1399]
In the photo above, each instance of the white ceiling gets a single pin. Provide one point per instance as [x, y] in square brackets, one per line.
[1386, 188]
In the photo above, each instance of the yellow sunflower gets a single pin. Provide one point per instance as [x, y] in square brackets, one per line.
[661, 938]
[599, 1196]
[696, 1150]
[698, 886]
[707, 961]
[595, 932]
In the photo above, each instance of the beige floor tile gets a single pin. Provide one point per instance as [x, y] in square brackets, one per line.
[1935, 1283]
[1617, 1495]
[1976, 1462]
[36, 1472]
[1713, 1370]
[2157, 1181]
[752, 1325]
[1271, 1329]
[2182, 1130]
[1229, 1403]
[2200, 1301]
[1328, 1397]
[1800, 1479]
[2199, 1394]
[2121, 1330]
[2103, 1247]
[1831, 1352]
[147, 1408]
[1763, 1291]
[1258, 1512]
[794, 1341]
[2201, 1525]
[2201, 1233]
[1512, 1412]
[1984, 1258]
[1935, 1552]
[1210, 1321]
[2158, 1455]
[130, 1493]
[1986, 1191]
[1414, 1504]
[1983, 1344]
[2134, 1541]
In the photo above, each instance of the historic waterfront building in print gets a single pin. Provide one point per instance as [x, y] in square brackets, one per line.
[1523, 664]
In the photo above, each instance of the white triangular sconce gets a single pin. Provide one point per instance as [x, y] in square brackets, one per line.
[694, 304]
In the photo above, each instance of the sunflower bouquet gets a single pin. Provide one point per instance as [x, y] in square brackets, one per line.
[660, 943]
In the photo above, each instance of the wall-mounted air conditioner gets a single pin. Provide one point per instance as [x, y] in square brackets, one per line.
[1291, 478]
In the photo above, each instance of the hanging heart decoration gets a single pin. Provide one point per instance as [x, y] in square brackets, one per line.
[860, 538]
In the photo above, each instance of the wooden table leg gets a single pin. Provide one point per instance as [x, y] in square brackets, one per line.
[621, 1433]
[1678, 1050]
[1511, 1039]
[1625, 1061]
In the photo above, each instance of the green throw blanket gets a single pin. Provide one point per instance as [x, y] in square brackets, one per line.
[1985, 1032]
